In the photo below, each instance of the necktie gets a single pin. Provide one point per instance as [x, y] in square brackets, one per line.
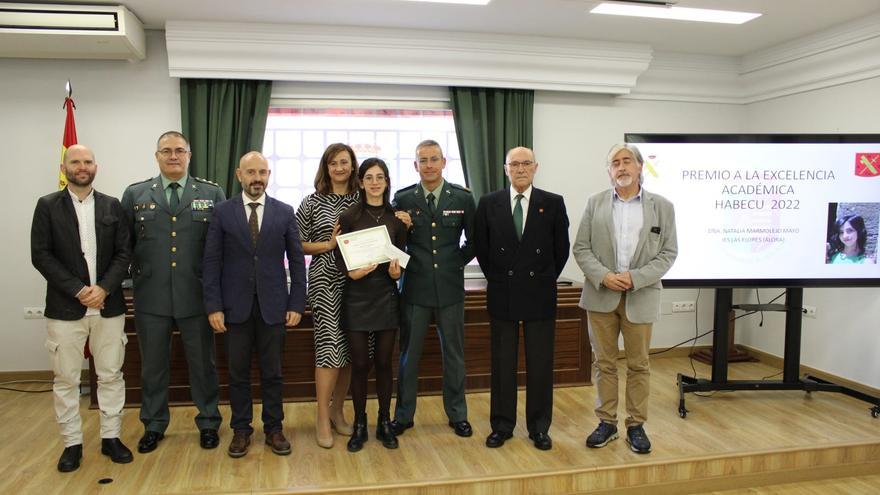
[518, 217]
[174, 200]
[431, 203]
[253, 223]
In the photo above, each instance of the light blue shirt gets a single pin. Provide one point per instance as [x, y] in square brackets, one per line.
[628, 220]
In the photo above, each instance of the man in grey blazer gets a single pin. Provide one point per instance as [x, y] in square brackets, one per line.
[625, 244]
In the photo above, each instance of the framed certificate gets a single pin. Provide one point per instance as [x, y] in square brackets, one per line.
[364, 247]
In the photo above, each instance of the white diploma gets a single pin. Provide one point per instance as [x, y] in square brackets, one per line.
[365, 247]
[393, 252]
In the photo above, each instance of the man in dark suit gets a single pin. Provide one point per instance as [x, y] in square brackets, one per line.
[521, 236]
[246, 296]
[168, 216]
[79, 243]
[433, 285]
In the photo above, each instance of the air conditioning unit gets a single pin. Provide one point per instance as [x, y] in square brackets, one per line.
[70, 32]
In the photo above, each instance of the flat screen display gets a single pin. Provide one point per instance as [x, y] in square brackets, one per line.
[769, 210]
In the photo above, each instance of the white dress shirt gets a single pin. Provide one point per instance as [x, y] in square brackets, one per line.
[88, 240]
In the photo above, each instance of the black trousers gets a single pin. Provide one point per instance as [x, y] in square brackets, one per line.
[539, 338]
[242, 339]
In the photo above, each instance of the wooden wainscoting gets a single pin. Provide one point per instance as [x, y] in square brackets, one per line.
[571, 363]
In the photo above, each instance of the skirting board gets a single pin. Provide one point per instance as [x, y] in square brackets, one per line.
[777, 361]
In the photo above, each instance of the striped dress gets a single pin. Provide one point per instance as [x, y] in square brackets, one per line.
[316, 217]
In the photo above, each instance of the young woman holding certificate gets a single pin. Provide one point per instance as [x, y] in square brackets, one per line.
[369, 303]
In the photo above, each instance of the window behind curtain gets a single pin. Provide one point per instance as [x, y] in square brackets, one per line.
[296, 137]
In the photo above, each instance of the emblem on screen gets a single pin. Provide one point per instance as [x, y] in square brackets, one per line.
[868, 164]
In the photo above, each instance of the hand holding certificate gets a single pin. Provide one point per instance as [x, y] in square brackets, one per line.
[363, 248]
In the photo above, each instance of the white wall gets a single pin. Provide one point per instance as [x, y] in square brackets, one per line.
[122, 108]
[844, 338]
[573, 133]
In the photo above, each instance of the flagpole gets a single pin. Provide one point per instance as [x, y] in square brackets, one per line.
[69, 137]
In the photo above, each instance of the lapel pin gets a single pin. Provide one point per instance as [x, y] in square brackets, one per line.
[540, 210]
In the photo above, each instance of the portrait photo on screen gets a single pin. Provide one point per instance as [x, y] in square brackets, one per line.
[852, 233]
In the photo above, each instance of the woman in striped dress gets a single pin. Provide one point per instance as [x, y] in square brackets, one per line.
[336, 189]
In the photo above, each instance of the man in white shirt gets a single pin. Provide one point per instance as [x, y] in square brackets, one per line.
[79, 243]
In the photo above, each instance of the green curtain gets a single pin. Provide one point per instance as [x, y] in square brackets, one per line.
[223, 119]
[488, 123]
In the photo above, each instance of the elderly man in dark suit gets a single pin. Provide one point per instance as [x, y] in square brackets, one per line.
[521, 237]
[168, 216]
[79, 243]
[246, 296]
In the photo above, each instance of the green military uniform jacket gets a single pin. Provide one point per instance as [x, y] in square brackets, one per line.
[434, 276]
[167, 245]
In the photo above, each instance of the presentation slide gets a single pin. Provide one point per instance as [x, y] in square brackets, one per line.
[803, 211]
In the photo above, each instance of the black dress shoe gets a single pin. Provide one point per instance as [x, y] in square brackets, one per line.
[70, 458]
[116, 450]
[497, 438]
[541, 440]
[462, 428]
[400, 427]
[209, 439]
[149, 441]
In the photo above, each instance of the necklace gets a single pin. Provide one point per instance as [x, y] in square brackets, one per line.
[375, 217]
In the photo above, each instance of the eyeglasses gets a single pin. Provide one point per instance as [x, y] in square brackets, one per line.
[525, 164]
[168, 152]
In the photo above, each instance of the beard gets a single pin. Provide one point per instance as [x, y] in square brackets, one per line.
[73, 179]
[623, 181]
[255, 189]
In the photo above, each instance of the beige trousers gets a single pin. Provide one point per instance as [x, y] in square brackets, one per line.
[605, 330]
[65, 342]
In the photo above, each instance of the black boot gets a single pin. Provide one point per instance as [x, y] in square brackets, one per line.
[359, 435]
[385, 432]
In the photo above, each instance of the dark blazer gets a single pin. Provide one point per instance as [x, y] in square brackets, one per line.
[521, 275]
[434, 276]
[233, 270]
[166, 264]
[56, 252]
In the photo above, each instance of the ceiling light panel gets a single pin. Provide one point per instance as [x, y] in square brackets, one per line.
[674, 13]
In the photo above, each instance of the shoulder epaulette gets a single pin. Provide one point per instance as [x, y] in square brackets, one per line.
[458, 186]
[407, 188]
[149, 179]
[205, 181]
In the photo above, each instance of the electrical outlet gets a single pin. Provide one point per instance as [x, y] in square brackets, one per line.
[33, 313]
[809, 311]
[684, 306]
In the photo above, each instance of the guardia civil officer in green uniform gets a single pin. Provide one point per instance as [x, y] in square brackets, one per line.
[169, 217]
[433, 285]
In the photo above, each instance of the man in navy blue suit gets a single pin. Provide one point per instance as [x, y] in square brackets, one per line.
[247, 296]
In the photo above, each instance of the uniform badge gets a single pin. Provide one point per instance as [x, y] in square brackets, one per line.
[152, 206]
[447, 213]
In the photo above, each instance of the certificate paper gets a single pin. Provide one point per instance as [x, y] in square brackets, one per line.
[365, 247]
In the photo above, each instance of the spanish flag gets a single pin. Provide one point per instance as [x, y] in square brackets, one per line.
[68, 140]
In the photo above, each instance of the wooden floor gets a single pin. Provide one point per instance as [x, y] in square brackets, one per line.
[728, 441]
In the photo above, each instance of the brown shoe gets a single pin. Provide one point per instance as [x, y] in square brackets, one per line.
[279, 444]
[238, 447]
